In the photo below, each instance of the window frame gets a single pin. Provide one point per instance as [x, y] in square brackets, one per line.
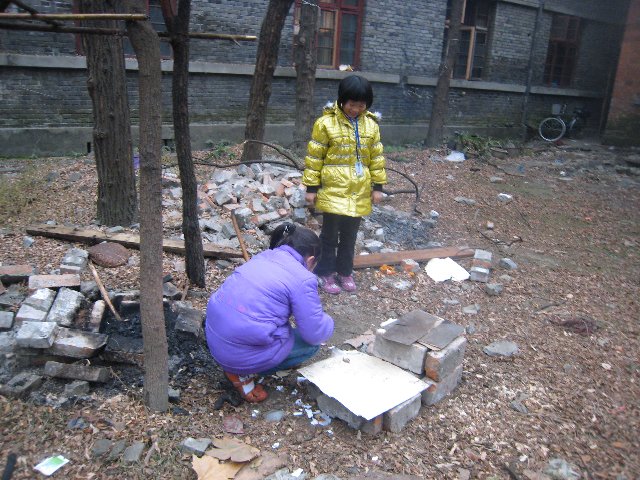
[340, 8]
[474, 30]
[568, 42]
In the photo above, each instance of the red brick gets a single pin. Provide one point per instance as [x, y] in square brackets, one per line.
[54, 281]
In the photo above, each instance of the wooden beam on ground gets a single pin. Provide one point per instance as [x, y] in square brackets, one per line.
[128, 240]
[393, 258]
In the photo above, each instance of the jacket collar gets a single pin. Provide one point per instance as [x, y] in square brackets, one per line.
[292, 251]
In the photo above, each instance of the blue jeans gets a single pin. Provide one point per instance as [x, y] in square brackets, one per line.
[300, 352]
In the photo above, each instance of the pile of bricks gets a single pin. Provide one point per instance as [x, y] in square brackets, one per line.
[440, 366]
[435, 357]
[57, 322]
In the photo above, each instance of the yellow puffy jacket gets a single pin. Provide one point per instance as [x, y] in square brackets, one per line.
[330, 164]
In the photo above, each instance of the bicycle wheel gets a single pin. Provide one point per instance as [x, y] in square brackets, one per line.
[552, 129]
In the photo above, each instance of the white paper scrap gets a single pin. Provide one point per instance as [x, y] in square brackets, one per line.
[366, 385]
[441, 269]
[51, 464]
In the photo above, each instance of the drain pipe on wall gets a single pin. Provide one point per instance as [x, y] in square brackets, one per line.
[527, 91]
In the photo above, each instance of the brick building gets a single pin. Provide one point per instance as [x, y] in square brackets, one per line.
[623, 121]
[45, 107]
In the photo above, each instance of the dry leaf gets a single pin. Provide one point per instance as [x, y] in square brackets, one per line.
[261, 467]
[232, 424]
[209, 468]
[235, 450]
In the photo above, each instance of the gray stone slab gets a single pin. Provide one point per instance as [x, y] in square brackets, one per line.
[76, 256]
[6, 320]
[8, 342]
[117, 449]
[41, 299]
[77, 343]
[189, 320]
[28, 313]
[442, 335]
[501, 348]
[76, 388]
[54, 281]
[133, 452]
[21, 385]
[101, 447]
[97, 314]
[195, 445]
[65, 307]
[37, 334]
[411, 326]
[76, 372]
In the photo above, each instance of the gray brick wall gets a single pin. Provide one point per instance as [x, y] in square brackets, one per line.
[403, 37]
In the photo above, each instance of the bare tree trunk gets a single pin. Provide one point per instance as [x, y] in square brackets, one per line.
[441, 94]
[178, 27]
[266, 58]
[106, 82]
[146, 44]
[305, 58]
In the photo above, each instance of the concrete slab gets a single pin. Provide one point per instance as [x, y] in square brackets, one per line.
[36, 334]
[76, 372]
[77, 343]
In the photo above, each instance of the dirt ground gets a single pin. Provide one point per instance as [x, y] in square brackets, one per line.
[571, 306]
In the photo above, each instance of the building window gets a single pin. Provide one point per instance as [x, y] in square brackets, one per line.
[339, 31]
[157, 22]
[563, 51]
[474, 37]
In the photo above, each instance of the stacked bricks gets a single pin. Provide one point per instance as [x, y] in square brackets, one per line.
[441, 369]
[481, 266]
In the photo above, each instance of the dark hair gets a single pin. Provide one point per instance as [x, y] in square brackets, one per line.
[355, 88]
[301, 239]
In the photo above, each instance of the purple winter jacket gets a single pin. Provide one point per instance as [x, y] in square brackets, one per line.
[247, 324]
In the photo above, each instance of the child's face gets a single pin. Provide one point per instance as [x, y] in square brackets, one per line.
[353, 108]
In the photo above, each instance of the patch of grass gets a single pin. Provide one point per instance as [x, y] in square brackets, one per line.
[220, 150]
[18, 191]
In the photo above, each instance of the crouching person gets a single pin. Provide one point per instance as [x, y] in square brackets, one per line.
[247, 325]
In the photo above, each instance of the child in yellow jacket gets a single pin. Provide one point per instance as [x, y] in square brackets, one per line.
[344, 173]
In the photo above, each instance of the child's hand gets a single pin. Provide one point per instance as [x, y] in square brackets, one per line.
[376, 196]
[310, 198]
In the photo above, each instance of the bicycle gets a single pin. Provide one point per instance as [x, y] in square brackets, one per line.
[554, 128]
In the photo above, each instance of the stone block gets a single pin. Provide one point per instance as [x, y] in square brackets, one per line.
[410, 265]
[30, 314]
[169, 290]
[438, 390]
[15, 273]
[54, 281]
[41, 299]
[65, 307]
[395, 419]
[508, 264]
[243, 216]
[21, 385]
[77, 343]
[133, 452]
[123, 349]
[440, 364]
[6, 320]
[8, 342]
[76, 372]
[195, 445]
[70, 269]
[335, 409]
[76, 388]
[373, 426]
[189, 320]
[479, 274]
[410, 357]
[97, 313]
[482, 255]
[37, 334]
[76, 256]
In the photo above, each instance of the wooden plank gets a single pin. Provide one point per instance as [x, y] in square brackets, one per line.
[128, 240]
[394, 258]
